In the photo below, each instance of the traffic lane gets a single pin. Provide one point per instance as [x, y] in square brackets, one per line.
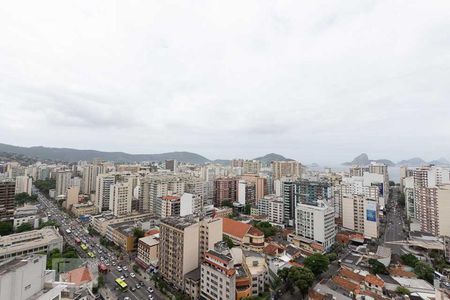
[140, 293]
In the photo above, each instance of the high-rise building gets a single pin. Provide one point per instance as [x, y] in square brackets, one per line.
[7, 200]
[24, 184]
[211, 232]
[315, 223]
[156, 186]
[179, 248]
[309, 192]
[103, 191]
[172, 165]
[218, 277]
[251, 167]
[90, 173]
[72, 196]
[62, 182]
[225, 190]
[167, 206]
[121, 195]
[290, 168]
[360, 214]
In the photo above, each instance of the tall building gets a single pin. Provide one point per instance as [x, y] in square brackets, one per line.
[72, 196]
[172, 165]
[24, 184]
[309, 192]
[218, 277]
[290, 168]
[251, 167]
[153, 187]
[121, 195]
[225, 190]
[168, 206]
[315, 223]
[62, 182]
[89, 180]
[103, 191]
[360, 214]
[211, 232]
[179, 248]
[7, 200]
[290, 201]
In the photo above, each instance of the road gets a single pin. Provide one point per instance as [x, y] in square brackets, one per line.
[394, 224]
[102, 254]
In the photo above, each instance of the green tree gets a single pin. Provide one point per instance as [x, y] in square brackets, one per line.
[138, 233]
[424, 271]
[376, 267]
[6, 228]
[305, 280]
[24, 227]
[317, 263]
[337, 247]
[101, 280]
[266, 228]
[227, 203]
[295, 277]
[228, 241]
[248, 209]
[403, 291]
[409, 259]
[48, 223]
[45, 185]
[23, 198]
[332, 256]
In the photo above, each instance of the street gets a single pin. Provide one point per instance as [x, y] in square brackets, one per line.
[394, 224]
[76, 234]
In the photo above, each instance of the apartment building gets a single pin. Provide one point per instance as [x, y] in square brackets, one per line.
[148, 251]
[251, 167]
[89, 180]
[121, 195]
[225, 190]
[62, 182]
[7, 200]
[211, 232]
[72, 196]
[360, 214]
[218, 277]
[315, 223]
[289, 168]
[81, 209]
[155, 186]
[271, 206]
[24, 184]
[167, 206]
[101, 222]
[179, 248]
[103, 185]
[35, 241]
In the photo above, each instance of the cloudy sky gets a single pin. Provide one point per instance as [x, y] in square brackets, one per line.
[319, 81]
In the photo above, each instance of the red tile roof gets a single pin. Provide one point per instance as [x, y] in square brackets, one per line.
[79, 276]
[374, 280]
[255, 231]
[170, 198]
[235, 228]
[152, 232]
[352, 276]
[344, 283]
[272, 249]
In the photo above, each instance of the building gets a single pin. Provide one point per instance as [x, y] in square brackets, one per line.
[7, 199]
[315, 223]
[218, 277]
[101, 222]
[251, 167]
[168, 206]
[103, 190]
[148, 251]
[211, 232]
[258, 269]
[225, 191]
[23, 278]
[244, 235]
[89, 180]
[62, 182]
[121, 195]
[179, 248]
[122, 234]
[172, 165]
[72, 196]
[192, 284]
[35, 241]
[26, 214]
[360, 214]
[24, 184]
[82, 209]
[155, 186]
[79, 277]
[289, 168]
[271, 206]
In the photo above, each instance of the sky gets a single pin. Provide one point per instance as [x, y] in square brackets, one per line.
[317, 81]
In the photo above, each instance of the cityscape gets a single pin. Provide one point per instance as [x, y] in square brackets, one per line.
[225, 150]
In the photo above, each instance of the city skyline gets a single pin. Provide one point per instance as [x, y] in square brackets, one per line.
[317, 83]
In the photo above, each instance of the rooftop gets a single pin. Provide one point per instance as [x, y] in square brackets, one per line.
[235, 228]
[180, 222]
[193, 275]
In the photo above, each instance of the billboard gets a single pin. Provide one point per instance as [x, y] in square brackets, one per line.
[371, 211]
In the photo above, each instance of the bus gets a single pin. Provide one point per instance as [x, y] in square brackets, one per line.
[84, 247]
[122, 284]
[90, 254]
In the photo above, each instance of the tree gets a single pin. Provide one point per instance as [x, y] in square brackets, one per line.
[424, 271]
[332, 256]
[23, 198]
[295, 277]
[228, 241]
[409, 259]
[24, 227]
[45, 185]
[6, 228]
[403, 291]
[305, 280]
[337, 247]
[266, 228]
[401, 200]
[101, 280]
[227, 203]
[138, 233]
[377, 268]
[248, 209]
[317, 263]
[48, 223]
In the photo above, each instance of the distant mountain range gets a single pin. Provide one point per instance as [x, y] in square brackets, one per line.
[74, 155]
[363, 160]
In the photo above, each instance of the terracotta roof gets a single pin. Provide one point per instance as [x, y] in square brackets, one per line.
[170, 198]
[235, 228]
[401, 273]
[152, 232]
[374, 280]
[79, 276]
[272, 249]
[370, 293]
[255, 231]
[315, 295]
[316, 246]
[347, 273]
[344, 283]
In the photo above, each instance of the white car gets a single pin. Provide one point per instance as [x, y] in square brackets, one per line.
[132, 275]
[125, 268]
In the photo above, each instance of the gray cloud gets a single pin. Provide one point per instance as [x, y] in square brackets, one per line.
[313, 80]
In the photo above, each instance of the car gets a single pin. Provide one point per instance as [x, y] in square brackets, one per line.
[119, 269]
[133, 289]
[126, 275]
[150, 297]
[125, 268]
[138, 286]
[150, 290]
[132, 275]
[126, 298]
[122, 277]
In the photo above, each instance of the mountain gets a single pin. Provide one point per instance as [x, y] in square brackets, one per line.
[73, 155]
[440, 162]
[363, 160]
[271, 157]
[415, 161]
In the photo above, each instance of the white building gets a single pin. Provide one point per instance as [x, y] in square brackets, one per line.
[276, 211]
[103, 191]
[24, 184]
[121, 195]
[316, 223]
[218, 277]
[62, 182]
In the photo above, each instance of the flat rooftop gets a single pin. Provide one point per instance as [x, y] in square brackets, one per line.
[180, 222]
